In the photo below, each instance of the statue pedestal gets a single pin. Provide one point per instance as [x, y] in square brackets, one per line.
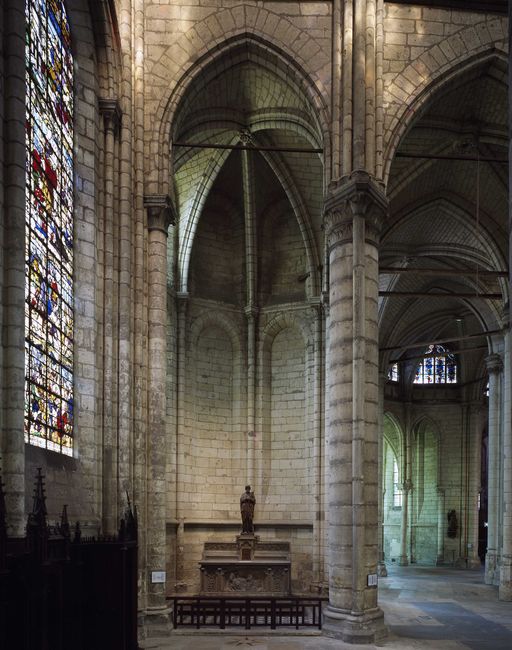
[246, 544]
[246, 567]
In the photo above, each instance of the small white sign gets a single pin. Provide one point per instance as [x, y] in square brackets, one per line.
[157, 577]
[372, 579]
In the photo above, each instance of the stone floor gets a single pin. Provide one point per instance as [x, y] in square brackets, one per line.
[425, 608]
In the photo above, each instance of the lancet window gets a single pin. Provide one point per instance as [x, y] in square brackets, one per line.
[397, 491]
[49, 227]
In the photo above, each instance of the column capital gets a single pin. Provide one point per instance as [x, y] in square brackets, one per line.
[161, 212]
[111, 112]
[356, 195]
[494, 363]
[182, 302]
[407, 486]
[251, 311]
[182, 296]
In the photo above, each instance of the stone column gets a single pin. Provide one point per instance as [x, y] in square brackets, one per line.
[505, 585]
[318, 523]
[406, 487]
[405, 528]
[182, 300]
[251, 310]
[381, 567]
[159, 219]
[475, 486]
[12, 445]
[110, 111]
[354, 210]
[505, 589]
[441, 525]
[494, 368]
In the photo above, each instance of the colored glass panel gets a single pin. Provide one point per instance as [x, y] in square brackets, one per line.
[437, 367]
[49, 228]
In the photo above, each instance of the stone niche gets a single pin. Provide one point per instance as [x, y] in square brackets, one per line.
[247, 567]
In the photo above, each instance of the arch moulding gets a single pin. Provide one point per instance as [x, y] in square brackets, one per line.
[179, 63]
[403, 108]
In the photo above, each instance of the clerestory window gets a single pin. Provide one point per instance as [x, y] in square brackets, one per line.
[438, 366]
[49, 227]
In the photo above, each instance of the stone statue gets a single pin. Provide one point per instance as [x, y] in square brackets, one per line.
[247, 501]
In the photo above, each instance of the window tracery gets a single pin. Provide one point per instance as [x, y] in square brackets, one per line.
[437, 367]
[49, 227]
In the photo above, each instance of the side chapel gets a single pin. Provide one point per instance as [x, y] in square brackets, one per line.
[264, 243]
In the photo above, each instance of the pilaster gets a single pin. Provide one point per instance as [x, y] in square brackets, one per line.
[354, 210]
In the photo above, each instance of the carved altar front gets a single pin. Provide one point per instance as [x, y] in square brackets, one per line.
[246, 566]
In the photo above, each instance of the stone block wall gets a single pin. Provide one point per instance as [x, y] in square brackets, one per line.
[287, 448]
[211, 442]
[444, 444]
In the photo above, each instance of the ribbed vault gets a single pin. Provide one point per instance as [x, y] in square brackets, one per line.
[448, 211]
[243, 97]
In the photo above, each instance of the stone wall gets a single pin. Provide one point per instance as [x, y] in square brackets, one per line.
[445, 444]
[212, 442]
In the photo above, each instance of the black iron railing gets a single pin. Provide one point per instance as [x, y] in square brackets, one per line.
[238, 611]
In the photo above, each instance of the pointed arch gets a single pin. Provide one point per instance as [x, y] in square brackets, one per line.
[430, 86]
[244, 45]
[235, 51]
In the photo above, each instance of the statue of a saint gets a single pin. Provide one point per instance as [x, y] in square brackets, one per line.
[247, 501]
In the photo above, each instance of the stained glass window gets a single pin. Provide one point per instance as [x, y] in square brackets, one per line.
[437, 367]
[49, 227]
[393, 372]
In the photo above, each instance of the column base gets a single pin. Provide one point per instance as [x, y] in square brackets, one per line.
[403, 561]
[490, 567]
[382, 571]
[155, 622]
[505, 588]
[474, 563]
[350, 628]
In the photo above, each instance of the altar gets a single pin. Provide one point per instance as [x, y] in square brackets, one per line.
[246, 566]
